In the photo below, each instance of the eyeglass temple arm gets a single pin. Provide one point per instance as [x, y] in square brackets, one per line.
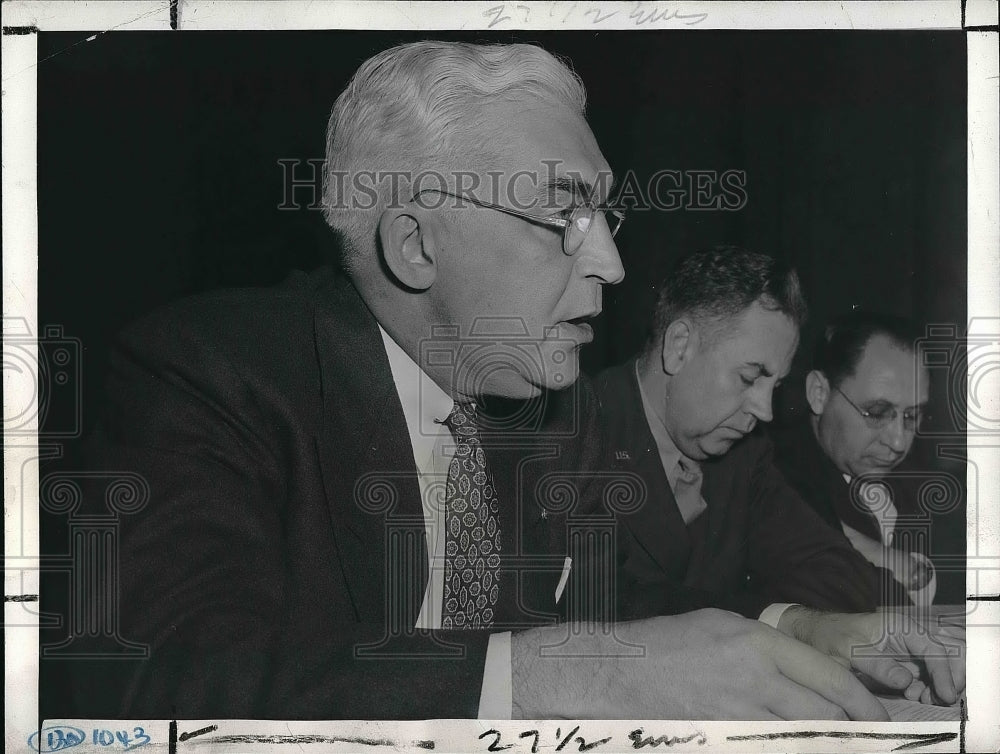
[554, 222]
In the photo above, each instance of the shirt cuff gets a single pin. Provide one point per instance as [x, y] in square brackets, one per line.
[772, 613]
[496, 698]
[924, 596]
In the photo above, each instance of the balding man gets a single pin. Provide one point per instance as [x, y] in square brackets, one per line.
[866, 395]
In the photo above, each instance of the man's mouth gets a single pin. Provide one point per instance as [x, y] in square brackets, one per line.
[740, 432]
[582, 325]
[883, 463]
[731, 435]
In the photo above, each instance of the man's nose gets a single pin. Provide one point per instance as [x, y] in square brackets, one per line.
[759, 403]
[896, 436]
[599, 254]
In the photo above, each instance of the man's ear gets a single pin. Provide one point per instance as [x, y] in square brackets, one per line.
[679, 340]
[817, 391]
[408, 248]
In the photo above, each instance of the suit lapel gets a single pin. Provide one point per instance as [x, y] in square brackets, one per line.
[365, 455]
[722, 515]
[830, 484]
[850, 511]
[518, 460]
[657, 525]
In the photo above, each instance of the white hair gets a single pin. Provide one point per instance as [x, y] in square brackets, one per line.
[415, 107]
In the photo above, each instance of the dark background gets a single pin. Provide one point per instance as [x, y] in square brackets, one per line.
[158, 175]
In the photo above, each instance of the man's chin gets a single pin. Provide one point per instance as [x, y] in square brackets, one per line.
[874, 470]
[514, 386]
[560, 381]
[518, 373]
[560, 367]
[712, 447]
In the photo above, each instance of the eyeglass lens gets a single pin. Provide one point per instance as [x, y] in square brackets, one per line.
[579, 225]
[911, 420]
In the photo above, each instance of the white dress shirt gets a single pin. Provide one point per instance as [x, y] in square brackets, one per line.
[425, 407]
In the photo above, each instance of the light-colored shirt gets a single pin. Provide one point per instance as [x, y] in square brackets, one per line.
[425, 407]
[670, 455]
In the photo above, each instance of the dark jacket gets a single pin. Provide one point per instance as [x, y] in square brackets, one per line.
[822, 486]
[756, 544]
[281, 561]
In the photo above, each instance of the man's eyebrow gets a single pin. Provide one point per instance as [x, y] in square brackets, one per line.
[878, 403]
[886, 402]
[761, 368]
[575, 185]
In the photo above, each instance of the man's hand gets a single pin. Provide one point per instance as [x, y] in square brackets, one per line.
[705, 665]
[884, 646]
[911, 571]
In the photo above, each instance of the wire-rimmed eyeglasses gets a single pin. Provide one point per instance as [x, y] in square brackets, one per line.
[882, 418]
[574, 227]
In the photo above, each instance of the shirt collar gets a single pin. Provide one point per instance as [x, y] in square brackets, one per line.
[425, 404]
[669, 454]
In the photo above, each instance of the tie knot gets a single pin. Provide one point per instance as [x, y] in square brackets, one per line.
[687, 490]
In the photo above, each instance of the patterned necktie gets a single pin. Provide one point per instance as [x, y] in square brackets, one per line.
[472, 530]
[687, 490]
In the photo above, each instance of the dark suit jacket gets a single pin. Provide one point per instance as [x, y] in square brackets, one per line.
[756, 544]
[281, 560]
[822, 486]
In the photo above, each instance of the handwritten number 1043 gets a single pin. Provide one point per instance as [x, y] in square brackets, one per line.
[105, 737]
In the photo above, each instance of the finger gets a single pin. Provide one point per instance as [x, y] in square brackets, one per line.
[958, 672]
[886, 671]
[791, 701]
[911, 639]
[925, 696]
[955, 645]
[940, 670]
[911, 666]
[943, 654]
[953, 638]
[807, 667]
[914, 690]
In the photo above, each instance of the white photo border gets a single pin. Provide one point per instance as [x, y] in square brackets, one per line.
[22, 19]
